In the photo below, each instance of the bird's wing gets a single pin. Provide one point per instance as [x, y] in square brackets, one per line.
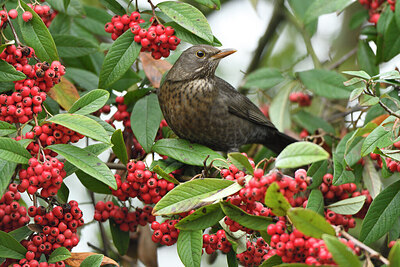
[240, 105]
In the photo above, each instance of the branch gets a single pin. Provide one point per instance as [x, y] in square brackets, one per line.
[373, 253]
[388, 110]
[13, 31]
[276, 19]
[307, 38]
[116, 166]
[343, 59]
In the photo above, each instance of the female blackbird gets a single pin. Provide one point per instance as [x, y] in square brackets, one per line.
[204, 109]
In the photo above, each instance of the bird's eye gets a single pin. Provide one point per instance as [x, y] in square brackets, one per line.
[200, 53]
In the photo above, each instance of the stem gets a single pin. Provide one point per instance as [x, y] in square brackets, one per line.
[153, 9]
[343, 59]
[373, 253]
[13, 31]
[307, 38]
[276, 19]
[391, 112]
[116, 166]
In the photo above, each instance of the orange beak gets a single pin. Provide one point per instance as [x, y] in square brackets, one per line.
[223, 53]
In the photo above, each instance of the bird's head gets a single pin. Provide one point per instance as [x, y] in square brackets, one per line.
[198, 61]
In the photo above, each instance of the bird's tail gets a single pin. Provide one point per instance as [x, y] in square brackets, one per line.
[279, 141]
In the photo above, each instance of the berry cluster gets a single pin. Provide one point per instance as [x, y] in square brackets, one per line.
[293, 246]
[141, 183]
[59, 228]
[33, 263]
[256, 252]
[218, 241]
[375, 8]
[29, 93]
[50, 134]
[165, 233]
[47, 176]
[12, 214]
[304, 100]
[3, 17]
[45, 13]
[158, 40]
[127, 221]
[256, 188]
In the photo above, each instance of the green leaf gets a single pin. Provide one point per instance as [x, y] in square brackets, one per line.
[87, 162]
[214, 4]
[82, 78]
[367, 100]
[145, 120]
[8, 73]
[10, 247]
[94, 21]
[92, 261]
[264, 78]
[340, 174]
[231, 259]
[341, 253]
[347, 206]
[74, 8]
[279, 110]
[366, 58]
[359, 73]
[37, 36]
[326, 83]
[316, 201]
[369, 127]
[259, 223]
[391, 40]
[310, 223]
[272, 261]
[59, 254]
[300, 154]
[21, 233]
[354, 80]
[189, 246]
[12, 151]
[157, 169]
[63, 194]
[66, 4]
[317, 171]
[353, 152]
[382, 214]
[241, 162]
[371, 178]
[186, 152]
[92, 184]
[73, 46]
[228, 191]
[90, 102]
[119, 147]
[188, 196]
[188, 17]
[82, 125]
[378, 138]
[202, 218]
[114, 6]
[321, 7]
[106, 126]
[119, 59]
[120, 238]
[276, 201]
[6, 128]
[394, 255]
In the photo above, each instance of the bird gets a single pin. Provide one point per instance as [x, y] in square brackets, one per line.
[205, 109]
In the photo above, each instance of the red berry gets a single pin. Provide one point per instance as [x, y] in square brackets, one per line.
[27, 16]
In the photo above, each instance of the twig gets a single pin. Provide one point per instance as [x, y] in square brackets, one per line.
[306, 37]
[96, 248]
[13, 31]
[276, 19]
[116, 166]
[345, 113]
[391, 112]
[153, 9]
[343, 59]
[373, 253]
